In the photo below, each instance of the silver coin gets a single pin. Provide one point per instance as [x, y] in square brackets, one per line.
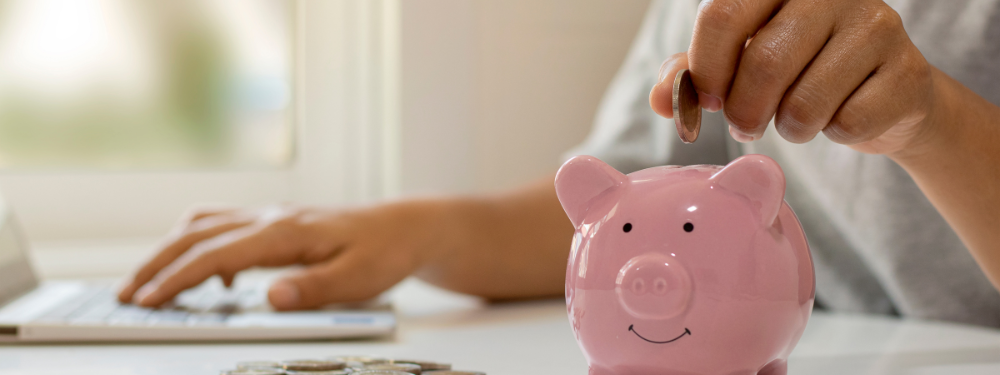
[405, 367]
[358, 361]
[687, 112]
[313, 365]
[380, 372]
[449, 372]
[332, 372]
[254, 372]
[425, 365]
[252, 365]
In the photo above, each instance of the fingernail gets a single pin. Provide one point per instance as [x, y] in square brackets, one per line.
[125, 296]
[145, 295]
[740, 136]
[709, 102]
[284, 295]
[663, 70]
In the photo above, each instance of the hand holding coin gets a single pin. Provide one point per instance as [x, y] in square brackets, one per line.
[793, 71]
[684, 107]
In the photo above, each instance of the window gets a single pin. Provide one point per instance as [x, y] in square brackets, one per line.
[116, 115]
[139, 84]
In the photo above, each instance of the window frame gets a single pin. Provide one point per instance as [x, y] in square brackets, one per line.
[346, 124]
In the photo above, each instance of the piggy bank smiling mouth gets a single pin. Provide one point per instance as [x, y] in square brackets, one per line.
[687, 332]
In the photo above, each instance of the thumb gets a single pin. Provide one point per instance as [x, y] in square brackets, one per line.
[352, 276]
[661, 98]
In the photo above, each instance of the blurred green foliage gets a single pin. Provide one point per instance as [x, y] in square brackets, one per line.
[189, 123]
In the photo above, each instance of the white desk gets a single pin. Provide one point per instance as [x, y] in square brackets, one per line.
[530, 338]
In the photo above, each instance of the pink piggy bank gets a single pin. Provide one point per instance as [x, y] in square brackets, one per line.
[685, 270]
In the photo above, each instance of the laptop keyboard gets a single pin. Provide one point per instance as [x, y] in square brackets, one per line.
[207, 305]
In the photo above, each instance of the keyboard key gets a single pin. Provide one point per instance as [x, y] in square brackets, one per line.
[95, 313]
[60, 313]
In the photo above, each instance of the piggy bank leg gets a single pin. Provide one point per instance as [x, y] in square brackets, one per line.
[594, 370]
[776, 367]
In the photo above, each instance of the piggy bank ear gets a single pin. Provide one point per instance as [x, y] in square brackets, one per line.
[757, 178]
[582, 179]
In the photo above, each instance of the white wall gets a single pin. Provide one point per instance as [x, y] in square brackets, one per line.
[495, 90]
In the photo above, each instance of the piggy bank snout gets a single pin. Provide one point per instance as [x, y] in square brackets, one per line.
[653, 286]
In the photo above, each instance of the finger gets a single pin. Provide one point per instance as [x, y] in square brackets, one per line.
[770, 64]
[883, 101]
[856, 50]
[661, 97]
[206, 211]
[356, 275]
[810, 103]
[278, 239]
[207, 227]
[227, 280]
[721, 30]
[224, 255]
[198, 213]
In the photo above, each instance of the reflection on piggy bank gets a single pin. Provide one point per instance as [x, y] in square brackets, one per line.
[685, 270]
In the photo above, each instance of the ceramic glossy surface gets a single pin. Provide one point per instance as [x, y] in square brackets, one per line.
[685, 270]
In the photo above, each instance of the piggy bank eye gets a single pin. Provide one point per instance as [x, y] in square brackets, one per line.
[627, 228]
[688, 227]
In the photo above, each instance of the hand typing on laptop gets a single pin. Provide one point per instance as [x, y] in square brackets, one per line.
[511, 246]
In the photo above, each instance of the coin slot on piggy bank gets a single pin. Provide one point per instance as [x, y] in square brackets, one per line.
[685, 270]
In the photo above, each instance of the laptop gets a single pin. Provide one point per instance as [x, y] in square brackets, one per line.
[89, 311]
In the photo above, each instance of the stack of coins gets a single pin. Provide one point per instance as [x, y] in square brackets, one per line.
[425, 365]
[359, 361]
[347, 365]
[315, 367]
[401, 367]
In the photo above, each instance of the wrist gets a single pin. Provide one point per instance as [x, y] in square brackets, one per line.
[936, 130]
[443, 230]
[435, 227]
[455, 228]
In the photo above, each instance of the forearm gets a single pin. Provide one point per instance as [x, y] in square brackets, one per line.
[509, 246]
[957, 166]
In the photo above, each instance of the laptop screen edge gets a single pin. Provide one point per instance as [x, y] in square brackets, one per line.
[17, 275]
